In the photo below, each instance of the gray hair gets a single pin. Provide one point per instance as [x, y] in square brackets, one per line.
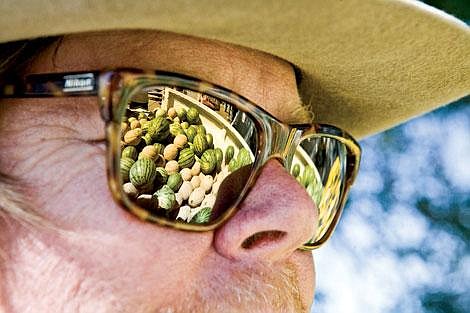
[14, 59]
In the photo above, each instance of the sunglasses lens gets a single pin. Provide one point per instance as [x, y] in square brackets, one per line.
[319, 165]
[185, 156]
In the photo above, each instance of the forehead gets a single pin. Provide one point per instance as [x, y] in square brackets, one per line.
[266, 80]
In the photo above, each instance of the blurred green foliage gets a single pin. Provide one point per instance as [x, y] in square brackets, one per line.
[458, 8]
[452, 216]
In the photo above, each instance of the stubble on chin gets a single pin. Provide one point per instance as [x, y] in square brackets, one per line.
[258, 288]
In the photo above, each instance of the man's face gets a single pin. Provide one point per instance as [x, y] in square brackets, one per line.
[104, 259]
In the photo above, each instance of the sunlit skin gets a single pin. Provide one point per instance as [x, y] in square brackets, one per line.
[107, 260]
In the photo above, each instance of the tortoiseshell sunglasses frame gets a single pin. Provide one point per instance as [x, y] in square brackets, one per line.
[115, 87]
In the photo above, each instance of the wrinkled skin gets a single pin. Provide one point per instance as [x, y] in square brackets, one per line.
[106, 260]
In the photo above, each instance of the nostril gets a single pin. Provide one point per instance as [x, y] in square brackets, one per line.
[262, 238]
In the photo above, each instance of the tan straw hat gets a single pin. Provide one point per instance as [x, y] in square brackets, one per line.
[367, 64]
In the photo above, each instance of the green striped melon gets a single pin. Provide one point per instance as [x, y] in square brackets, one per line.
[210, 141]
[243, 157]
[181, 112]
[159, 147]
[186, 158]
[219, 156]
[159, 129]
[200, 144]
[129, 152]
[176, 129]
[229, 154]
[174, 181]
[191, 133]
[208, 161]
[192, 115]
[142, 173]
[126, 164]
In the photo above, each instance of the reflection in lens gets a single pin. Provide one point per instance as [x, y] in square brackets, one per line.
[182, 150]
[319, 165]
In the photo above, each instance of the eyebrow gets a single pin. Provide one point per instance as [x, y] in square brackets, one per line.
[304, 110]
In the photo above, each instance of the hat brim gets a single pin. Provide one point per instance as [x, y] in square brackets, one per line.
[366, 65]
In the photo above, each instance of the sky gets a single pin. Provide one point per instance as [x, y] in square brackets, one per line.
[386, 255]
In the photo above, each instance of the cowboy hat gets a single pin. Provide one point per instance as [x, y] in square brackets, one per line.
[366, 64]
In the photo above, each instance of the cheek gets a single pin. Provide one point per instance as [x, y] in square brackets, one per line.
[65, 183]
[112, 247]
[307, 278]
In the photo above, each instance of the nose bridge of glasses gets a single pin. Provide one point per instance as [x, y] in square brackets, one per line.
[282, 141]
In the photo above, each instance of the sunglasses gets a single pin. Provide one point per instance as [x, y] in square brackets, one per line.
[184, 153]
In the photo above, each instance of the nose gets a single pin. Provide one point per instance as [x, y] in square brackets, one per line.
[275, 218]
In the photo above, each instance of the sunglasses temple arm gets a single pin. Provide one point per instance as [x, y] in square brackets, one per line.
[52, 85]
